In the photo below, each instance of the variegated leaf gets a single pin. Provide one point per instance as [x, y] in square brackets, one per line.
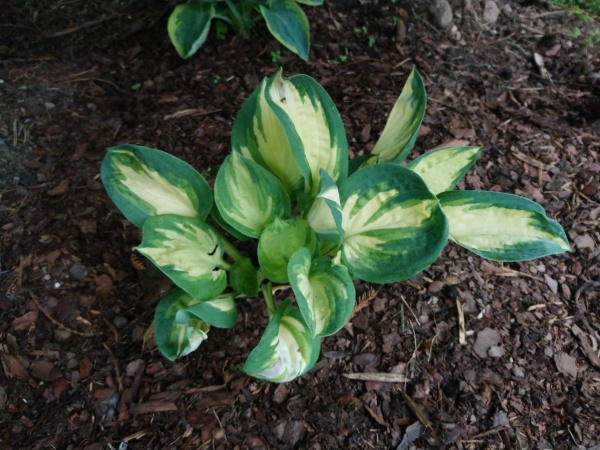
[188, 26]
[502, 227]
[394, 226]
[288, 24]
[258, 135]
[361, 161]
[286, 349]
[219, 312]
[324, 291]
[443, 168]
[402, 127]
[310, 2]
[188, 251]
[243, 277]
[279, 242]
[313, 127]
[176, 339]
[248, 196]
[145, 182]
[325, 213]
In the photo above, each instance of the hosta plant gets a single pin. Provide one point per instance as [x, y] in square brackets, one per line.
[319, 220]
[190, 22]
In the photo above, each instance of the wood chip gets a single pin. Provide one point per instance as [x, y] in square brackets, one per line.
[589, 344]
[462, 332]
[378, 376]
[153, 406]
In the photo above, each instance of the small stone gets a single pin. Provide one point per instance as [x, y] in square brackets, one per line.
[490, 12]
[62, 335]
[379, 304]
[486, 339]
[518, 372]
[78, 270]
[552, 283]
[366, 359]
[584, 241]
[280, 394]
[470, 375]
[496, 352]
[120, 322]
[442, 13]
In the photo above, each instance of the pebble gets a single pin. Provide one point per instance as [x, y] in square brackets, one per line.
[78, 270]
[518, 372]
[120, 321]
[435, 286]
[442, 13]
[490, 12]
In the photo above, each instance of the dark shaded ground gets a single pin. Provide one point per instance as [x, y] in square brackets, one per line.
[80, 369]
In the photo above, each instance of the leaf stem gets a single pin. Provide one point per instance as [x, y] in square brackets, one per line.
[269, 300]
[237, 17]
[230, 250]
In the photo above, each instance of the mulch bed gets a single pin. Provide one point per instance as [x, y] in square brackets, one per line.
[80, 369]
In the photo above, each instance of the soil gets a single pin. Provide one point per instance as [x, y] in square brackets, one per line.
[80, 369]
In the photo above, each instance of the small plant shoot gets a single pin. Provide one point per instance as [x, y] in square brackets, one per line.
[190, 22]
[319, 220]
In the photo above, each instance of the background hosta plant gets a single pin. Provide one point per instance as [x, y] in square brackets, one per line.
[320, 220]
[190, 22]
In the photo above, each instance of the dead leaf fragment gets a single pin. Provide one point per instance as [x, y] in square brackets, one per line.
[413, 432]
[13, 367]
[25, 321]
[589, 344]
[376, 415]
[60, 189]
[45, 370]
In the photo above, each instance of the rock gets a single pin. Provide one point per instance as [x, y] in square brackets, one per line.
[490, 12]
[442, 13]
[486, 339]
[496, 352]
[518, 372]
[566, 364]
[584, 241]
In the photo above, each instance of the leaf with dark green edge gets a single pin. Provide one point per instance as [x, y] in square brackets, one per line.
[219, 312]
[394, 226]
[189, 251]
[361, 161]
[258, 135]
[324, 291]
[279, 242]
[146, 182]
[313, 127]
[325, 214]
[217, 217]
[502, 227]
[310, 2]
[243, 277]
[175, 339]
[288, 24]
[248, 196]
[402, 127]
[286, 349]
[443, 168]
[188, 26]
